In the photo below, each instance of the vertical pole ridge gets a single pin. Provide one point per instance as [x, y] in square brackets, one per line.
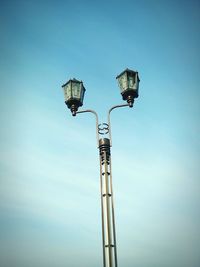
[113, 215]
[108, 212]
[102, 214]
[107, 205]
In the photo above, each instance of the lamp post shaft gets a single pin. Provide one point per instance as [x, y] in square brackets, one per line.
[107, 205]
[107, 201]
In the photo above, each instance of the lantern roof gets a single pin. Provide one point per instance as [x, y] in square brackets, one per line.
[71, 80]
[129, 71]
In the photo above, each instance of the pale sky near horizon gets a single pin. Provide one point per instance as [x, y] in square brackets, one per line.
[49, 184]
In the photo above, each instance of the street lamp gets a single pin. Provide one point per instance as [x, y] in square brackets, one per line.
[129, 84]
[74, 93]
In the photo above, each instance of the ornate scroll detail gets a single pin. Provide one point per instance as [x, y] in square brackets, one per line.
[103, 128]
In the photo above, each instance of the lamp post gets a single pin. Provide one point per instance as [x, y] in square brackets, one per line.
[74, 91]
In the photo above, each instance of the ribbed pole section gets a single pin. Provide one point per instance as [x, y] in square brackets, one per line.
[108, 220]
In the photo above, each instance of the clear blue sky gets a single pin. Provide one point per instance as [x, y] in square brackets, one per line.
[49, 192]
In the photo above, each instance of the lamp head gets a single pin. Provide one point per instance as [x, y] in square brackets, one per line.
[128, 82]
[74, 91]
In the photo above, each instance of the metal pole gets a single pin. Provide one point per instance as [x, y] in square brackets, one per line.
[107, 201]
[113, 215]
[108, 221]
[102, 212]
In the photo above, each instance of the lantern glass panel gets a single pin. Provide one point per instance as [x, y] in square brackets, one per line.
[131, 81]
[123, 82]
[67, 92]
[76, 90]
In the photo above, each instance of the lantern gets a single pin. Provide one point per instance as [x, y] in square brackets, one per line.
[74, 93]
[128, 82]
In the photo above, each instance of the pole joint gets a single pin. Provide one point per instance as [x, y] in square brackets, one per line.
[104, 146]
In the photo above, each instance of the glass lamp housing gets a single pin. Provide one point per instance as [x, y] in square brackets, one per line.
[128, 82]
[74, 93]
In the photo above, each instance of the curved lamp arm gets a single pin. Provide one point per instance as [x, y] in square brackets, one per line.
[109, 124]
[97, 122]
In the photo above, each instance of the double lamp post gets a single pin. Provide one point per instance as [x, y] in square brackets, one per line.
[74, 91]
